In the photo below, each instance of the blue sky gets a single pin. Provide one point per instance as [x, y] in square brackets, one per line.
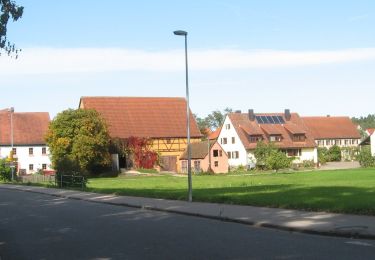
[314, 57]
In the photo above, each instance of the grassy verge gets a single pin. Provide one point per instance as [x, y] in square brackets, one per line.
[345, 191]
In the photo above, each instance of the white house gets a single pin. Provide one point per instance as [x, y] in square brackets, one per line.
[26, 131]
[241, 132]
[370, 140]
[333, 130]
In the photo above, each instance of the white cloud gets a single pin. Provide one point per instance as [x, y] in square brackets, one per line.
[50, 60]
[356, 18]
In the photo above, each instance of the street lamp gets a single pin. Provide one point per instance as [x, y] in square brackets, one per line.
[11, 110]
[190, 192]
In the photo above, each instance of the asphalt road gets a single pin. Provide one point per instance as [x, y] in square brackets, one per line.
[36, 226]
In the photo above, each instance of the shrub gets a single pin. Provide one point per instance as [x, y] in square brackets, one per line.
[365, 158]
[322, 155]
[278, 160]
[308, 164]
[334, 154]
[5, 171]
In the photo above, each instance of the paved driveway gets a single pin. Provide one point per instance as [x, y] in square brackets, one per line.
[340, 165]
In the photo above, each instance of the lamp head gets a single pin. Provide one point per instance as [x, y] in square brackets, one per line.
[180, 32]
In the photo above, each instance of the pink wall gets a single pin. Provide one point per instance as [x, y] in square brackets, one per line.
[222, 161]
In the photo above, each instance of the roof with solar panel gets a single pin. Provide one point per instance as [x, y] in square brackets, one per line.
[285, 126]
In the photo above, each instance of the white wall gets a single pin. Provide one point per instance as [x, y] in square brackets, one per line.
[372, 144]
[308, 154]
[230, 147]
[24, 159]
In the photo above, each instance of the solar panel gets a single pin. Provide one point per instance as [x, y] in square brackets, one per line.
[270, 119]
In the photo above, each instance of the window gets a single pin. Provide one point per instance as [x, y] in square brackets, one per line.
[184, 166]
[220, 153]
[14, 151]
[31, 167]
[31, 151]
[227, 126]
[44, 166]
[197, 166]
[229, 155]
[215, 153]
[216, 164]
[299, 138]
[275, 138]
[224, 141]
[233, 140]
[328, 142]
[293, 152]
[44, 151]
[235, 155]
[255, 138]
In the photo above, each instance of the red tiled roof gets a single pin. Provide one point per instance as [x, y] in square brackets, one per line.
[154, 117]
[28, 128]
[331, 127]
[215, 134]
[370, 131]
[245, 128]
[295, 129]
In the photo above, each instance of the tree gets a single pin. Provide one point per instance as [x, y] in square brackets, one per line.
[216, 118]
[79, 142]
[262, 152]
[5, 171]
[8, 9]
[202, 125]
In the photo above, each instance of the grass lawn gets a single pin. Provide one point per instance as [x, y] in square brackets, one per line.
[346, 191]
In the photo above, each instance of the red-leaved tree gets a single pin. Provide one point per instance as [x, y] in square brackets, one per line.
[140, 149]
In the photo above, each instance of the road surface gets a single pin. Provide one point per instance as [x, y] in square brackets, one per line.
[37, 226]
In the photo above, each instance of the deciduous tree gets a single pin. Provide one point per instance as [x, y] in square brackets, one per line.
[8, 10]
[79, 142]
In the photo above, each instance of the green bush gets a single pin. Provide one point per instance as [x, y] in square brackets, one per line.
[334, 154]
[365, 158]
[278, 160]
[322, 155]
[5, 171]
[308, 164]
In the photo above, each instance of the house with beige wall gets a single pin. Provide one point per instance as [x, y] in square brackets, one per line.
[328, 131]
[160, 119]
[205, 155]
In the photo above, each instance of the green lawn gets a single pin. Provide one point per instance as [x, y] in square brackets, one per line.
[349, 191]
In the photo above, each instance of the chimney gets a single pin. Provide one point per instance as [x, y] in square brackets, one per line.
[238, 112]
[328, 115]
[287, 114]
[251, 115]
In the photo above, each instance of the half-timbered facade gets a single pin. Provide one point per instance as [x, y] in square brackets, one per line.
[161, 119]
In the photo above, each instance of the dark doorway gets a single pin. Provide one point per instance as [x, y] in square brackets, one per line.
[169, 163]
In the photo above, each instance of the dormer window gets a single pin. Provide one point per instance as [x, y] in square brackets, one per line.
[255, 138]
[275, 138]
[299, 137]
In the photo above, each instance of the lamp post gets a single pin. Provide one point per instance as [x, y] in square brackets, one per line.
[11, 110]
[190, 189]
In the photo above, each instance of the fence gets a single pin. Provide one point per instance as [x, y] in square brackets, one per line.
[37, 178]
[55, 180]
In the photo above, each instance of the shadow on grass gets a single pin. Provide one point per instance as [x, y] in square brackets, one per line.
[339, 199]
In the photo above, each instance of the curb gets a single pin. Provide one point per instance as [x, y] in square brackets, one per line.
[353, 235]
